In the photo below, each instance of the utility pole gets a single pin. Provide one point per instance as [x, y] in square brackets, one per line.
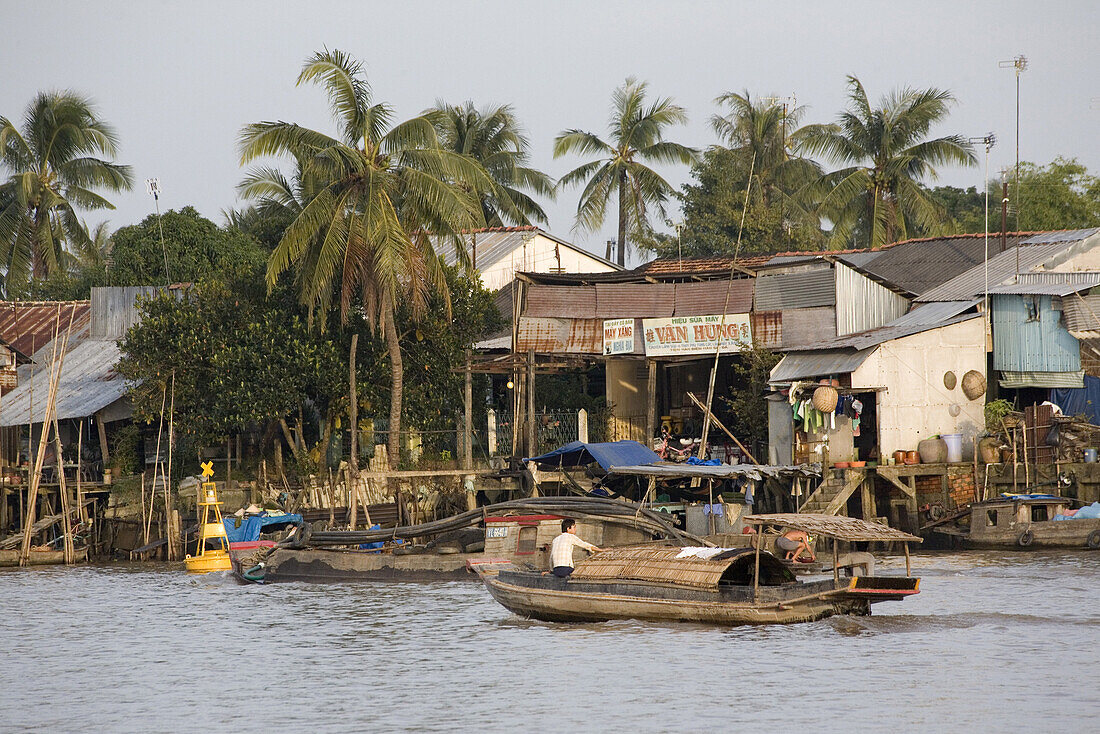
[1019, 64]
[989, 140]
[152, 185]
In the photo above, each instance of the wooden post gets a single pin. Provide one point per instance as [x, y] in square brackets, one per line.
[101, 429]
[173, 528]
[1027, 471]
[532, 429]
[836, 562]
[468, 418]
[81, 512]
[582, 425]
[63, 490]
[867, 497]
[491, 432]
[759, 539]
[651, 404]
[908, 567]
[651, 491]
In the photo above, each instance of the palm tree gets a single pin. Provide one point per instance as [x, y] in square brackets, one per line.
[372, 199]
[765, 133]
[54, 169]
[636, 135]
[493, 137]
[879, 197]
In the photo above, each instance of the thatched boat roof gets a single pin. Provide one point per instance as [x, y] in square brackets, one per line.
[833, 526]
[661, 565]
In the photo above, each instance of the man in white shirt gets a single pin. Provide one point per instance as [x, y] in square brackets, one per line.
[561, 550]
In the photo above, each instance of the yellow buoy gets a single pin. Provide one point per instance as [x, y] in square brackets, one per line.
[215, 558]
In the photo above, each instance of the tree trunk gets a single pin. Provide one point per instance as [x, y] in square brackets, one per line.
[622, 218]
[397, 370]
[353, 407]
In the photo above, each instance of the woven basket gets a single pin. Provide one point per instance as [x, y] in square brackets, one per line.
[973, 385]
[825, 399]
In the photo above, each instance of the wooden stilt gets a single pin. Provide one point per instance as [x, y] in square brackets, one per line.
[908, 566]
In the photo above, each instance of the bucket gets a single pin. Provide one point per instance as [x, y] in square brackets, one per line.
[954, 443]
[1090, 456]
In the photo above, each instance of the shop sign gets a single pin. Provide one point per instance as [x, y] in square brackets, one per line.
[696, 334]
[618, 336]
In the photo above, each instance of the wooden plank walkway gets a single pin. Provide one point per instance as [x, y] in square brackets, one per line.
[13, 541]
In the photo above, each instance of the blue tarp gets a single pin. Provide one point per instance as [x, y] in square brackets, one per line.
[252, 525]
[1080, 400]
[607, 455]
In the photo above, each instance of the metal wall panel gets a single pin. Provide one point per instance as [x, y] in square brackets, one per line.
[633, 300]
[710, 297]
[1028, 336]
[558, 301]
[808, 326]
[767, 328]
[863, 304]
[803, 288]
[114, 310]
[560, 336]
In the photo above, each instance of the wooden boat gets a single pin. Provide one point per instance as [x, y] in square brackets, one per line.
[733, 587]
[517, 532]
[1021, 521]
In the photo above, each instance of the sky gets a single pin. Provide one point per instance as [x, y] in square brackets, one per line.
[179, 80]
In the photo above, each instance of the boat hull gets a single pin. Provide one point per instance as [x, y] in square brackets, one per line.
[324, 566]
[573, 602]
[1079, 534]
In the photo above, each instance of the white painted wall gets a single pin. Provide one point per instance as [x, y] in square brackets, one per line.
[540, 254]
[916, 404]
[626, 383]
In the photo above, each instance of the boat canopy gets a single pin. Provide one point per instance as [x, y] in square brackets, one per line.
[678, 567]
[833, 526]
[607, 455]
[719, 471]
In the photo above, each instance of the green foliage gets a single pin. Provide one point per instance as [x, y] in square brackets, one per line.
[748, 378]
[55, 167]
[124, 449]
[198, 250]
[965, 209]
[434, 350]
[235, 361]
[493, 137]
[637, 138]
[995, 411]
[879, 198]
[1059, 195]
[712, 208]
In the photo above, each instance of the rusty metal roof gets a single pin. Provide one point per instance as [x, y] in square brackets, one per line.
[560, 336]
[29, 325]
[88, 383]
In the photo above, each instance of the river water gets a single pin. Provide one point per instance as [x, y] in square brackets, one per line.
[993, 643]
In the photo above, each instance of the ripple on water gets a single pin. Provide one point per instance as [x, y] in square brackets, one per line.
[148, 648]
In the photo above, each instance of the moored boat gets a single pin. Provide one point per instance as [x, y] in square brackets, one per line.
[717, 586]
[1022, 521]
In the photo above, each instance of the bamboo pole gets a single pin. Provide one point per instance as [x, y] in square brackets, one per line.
[144, 523]
[56, 362]
[168, 478]
[756, 565]
[836, 562]
[63, 490]
[908, 566]
[79, 469]
[707, 414]
[1027, 471]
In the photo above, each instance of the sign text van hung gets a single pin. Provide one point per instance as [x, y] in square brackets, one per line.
[697, 334]
[618, 336]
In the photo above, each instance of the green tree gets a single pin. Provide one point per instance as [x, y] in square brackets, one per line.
[879, 198]
[55, 167]
[712, 206]
[493, 137]
[377, 194]
[197, 250]
[1059, 195]
[965, 209]
[748, 377]
[636, 135]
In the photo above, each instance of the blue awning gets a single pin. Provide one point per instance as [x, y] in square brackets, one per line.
[607, 455]
[248, 528]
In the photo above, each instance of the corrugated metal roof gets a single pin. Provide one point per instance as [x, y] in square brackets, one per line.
[920, 265]
[1002, 266]
[29, 325]
[88, 383]
[805, 365]
[918, 320]
[802, 289]
[1049, 289]
[1065, 235]
[639, 300]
